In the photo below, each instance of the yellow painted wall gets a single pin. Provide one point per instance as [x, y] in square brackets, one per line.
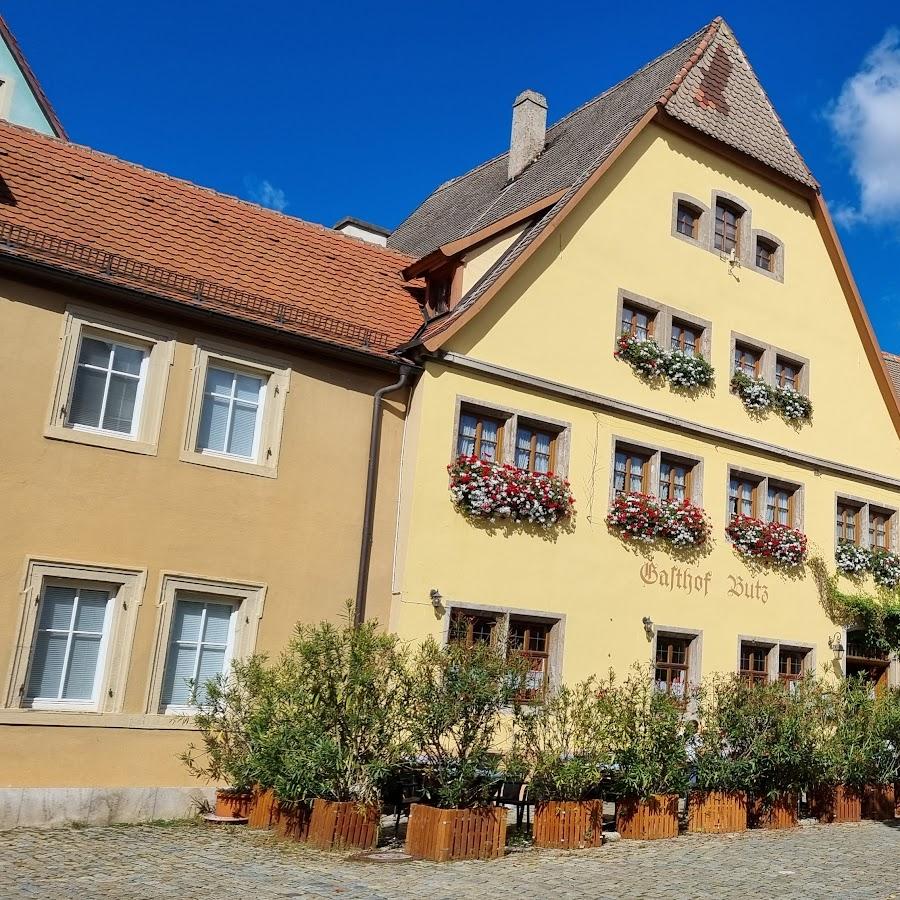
[557, 319]
[297, 533]
[478, 261]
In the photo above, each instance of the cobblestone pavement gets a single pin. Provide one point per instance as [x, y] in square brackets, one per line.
[186, 861]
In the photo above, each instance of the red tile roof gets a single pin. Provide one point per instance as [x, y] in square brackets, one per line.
[90, 213]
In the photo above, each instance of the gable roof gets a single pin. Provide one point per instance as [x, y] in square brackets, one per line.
[705, 82]
[88, 213]
[31, 80]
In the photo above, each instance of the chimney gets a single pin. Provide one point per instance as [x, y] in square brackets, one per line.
[529, 127]
[363, 231]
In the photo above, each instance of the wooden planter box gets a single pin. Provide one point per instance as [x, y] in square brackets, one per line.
[291, 821]
[840, 804]
[447, 834]
[781, 813]
[648, 820]
[879, 802]
[263, 810]
[337, 825]
[568, 824]
[717, 812]
[233, 804]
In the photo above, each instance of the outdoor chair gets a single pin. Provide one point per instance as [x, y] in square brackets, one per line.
[515, 793]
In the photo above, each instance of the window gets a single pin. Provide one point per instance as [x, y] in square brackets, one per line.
[687, 220]
[791, 664]
[110, 383]
[754, 663]
[674, 479]
[879, 529]
[671, 666]
[199, 649]
[531, 640]
[637, 322]
[630, 473]
[747, 360]
[231, 413]
[780, 504]
[787, 373]
[479, 435]
[69, 645]
[535, 449]
[742, 495]
[727, 228]
[765, 255]
[857, 521]
[204, 625]
[536, 638]
[235, 411]
[107, 388]
[686, 337]
[73, 638]
[847, 525]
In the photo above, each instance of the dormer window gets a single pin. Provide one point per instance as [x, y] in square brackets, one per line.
[437, 293]
[727, 234]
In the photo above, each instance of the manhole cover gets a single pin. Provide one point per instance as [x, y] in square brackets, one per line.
[383, 856]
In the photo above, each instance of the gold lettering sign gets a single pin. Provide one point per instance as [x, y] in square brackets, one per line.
[693, 581]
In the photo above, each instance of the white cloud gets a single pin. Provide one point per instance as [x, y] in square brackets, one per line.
[266, 194]
[866, 120]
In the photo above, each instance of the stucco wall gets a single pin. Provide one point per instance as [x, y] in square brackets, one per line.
[556, 319]
[22, 107]
[297, 533]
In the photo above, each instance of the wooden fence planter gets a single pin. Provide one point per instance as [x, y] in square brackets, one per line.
[647, 820]
[336, 825]
[840, 804]
[780, 813]
[291, 821]
[879, 802]
[717, 812]
[443, 835]
[263, 810]
[233, 804]
[568, 824]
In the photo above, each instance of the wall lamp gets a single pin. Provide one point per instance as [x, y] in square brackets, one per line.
[436, 598]
[648, 627]
[836, 644]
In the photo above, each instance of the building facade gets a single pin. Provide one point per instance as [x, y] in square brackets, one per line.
[185, 461]
[675, 209]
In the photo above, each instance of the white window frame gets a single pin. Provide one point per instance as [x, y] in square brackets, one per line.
[249, 602]
[121, 329]
[186, 709]
[132, 433]
[126, 588]
[63, 702]
[260, 410]
[276, 376]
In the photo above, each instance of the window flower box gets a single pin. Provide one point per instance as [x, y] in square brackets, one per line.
[759, 397]
[650, 361]
[646, 518]
[883, 565]
[767, 542]
[500, 491]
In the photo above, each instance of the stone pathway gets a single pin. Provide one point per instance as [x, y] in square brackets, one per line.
[188, 861]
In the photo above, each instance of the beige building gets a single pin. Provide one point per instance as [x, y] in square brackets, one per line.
[184, 460]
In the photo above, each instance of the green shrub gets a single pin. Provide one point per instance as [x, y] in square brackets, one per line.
[564, 745]
[457, 695]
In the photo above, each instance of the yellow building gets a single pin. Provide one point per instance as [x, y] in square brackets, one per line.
[675, 209]
[185, 458]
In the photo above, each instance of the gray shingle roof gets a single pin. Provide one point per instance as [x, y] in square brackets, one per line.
[892, 361]
[720, 96]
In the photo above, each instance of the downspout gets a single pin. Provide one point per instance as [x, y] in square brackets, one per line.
[365, 547]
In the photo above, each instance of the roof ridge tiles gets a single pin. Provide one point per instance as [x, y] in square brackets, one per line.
[68, 145]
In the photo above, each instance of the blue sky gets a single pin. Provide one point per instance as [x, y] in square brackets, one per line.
[329, 109]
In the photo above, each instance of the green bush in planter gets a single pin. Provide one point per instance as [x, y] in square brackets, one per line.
[456, 699]
[721, 751]
[339, 698]
[563, 746]
[649, 736]
[851, 736]
[234, 720]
